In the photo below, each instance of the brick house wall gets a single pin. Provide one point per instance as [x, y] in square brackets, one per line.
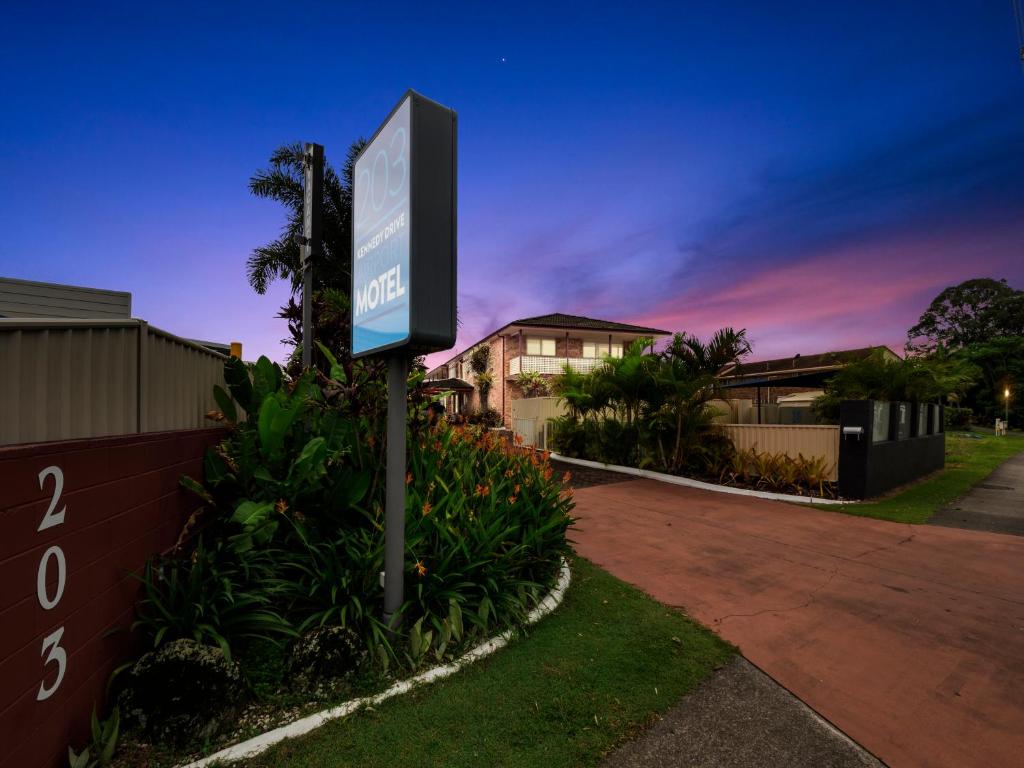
[121, 502]
[506, 347]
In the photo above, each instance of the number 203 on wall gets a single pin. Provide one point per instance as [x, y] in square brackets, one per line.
[53, 557]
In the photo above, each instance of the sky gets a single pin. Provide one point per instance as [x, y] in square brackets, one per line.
[812, 172]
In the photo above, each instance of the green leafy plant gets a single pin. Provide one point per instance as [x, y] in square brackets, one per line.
[209, 597]
[480, 363]
[532, 384]
[935, 378]
[100, 751]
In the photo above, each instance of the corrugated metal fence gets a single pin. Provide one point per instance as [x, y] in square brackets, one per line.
[65, 379]
[792, 440]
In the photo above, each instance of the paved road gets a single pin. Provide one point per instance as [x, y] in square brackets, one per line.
[997, 504]
[910, 639]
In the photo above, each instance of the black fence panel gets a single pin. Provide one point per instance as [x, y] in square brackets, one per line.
[885, 445]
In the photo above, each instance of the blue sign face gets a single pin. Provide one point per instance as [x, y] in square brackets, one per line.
[380, 242]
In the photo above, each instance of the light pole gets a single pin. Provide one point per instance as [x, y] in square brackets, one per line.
[1006, 407]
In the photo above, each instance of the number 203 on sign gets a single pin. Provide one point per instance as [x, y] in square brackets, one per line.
[53, 557]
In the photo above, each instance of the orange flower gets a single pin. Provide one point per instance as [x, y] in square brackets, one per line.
[408, 478]
[483, 490]
[547, 473]
[371, 440]
[426, 508]
[511, 499]
[567, 476]
[519, 439]
[509, 472]
[516, 489]
[281, 507]
[421, 569]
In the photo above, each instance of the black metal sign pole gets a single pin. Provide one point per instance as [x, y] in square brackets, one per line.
[394, 511]
[313, 167]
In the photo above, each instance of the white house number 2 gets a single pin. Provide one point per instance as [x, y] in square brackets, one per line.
[53, 558]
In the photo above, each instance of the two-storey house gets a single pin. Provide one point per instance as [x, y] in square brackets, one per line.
[544, 345]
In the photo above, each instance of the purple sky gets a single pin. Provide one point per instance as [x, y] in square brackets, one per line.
[813, 172]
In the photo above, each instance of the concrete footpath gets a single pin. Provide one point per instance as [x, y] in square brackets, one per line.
[996, 504]
[741, 718]
[909, 639]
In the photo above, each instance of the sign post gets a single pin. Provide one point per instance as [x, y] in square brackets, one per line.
[312, 232]
[403, 277]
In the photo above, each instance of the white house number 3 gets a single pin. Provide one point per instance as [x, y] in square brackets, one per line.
[52, 558]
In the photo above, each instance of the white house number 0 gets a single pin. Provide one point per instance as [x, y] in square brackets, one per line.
[52, 558]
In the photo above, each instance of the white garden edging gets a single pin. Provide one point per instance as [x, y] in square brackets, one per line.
[264, 741]
[691, 483]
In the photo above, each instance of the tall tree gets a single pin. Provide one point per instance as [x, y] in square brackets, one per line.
[972, 312]
[280, 259]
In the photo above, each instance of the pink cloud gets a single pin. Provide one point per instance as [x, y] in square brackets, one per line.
[857, 295]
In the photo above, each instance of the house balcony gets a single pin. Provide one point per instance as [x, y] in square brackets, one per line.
[550, 365]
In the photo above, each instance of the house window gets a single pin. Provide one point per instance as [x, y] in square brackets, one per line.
[545, 347]
[598, 349]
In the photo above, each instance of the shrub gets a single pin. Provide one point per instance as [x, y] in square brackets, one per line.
[294, 501]
[207, 598]
[486, 531]
[779, 473]
[651, 409]
[485, 417]
[532, 384]
[958, 418]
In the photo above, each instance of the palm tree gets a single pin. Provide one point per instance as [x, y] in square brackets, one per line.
[686, 381]
[625, 383]
[279, 259]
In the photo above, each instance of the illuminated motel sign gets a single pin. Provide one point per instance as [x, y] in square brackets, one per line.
[404, 233]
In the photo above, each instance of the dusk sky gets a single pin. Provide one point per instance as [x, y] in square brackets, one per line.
[812, 172]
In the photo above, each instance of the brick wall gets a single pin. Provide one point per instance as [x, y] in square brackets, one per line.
[121, 502]
[568, 347]
[512, 392]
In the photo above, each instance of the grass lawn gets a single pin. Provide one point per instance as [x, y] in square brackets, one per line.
[583, 681]
[968, 462]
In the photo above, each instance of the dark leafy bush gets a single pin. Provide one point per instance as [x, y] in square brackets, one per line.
[207, 598]
[484, 417]
[486, 531]
[649, 409]
[292, 527]
[958, 418]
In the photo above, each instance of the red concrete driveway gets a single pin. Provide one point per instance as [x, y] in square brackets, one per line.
[908, 638]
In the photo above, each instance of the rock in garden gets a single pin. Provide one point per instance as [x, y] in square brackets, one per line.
[323, 654]
[182, 691]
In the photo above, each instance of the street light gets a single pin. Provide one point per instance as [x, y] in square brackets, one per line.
[1006, 407]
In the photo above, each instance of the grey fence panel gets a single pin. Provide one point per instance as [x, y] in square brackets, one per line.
[63, 379]
[178, 382]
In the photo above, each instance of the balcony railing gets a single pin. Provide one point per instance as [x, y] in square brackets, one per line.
[544, 364]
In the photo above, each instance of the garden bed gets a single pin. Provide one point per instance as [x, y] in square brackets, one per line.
[300, 726]
[268, 609]
[586, 679]
[692, 483]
